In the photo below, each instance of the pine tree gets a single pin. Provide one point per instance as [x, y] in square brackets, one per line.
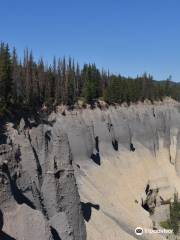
[5, 74]
[91, 78]
[35, 83]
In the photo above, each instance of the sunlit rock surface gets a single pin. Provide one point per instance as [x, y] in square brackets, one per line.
[100, 172]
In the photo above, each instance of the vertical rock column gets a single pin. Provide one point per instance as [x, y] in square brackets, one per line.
[59, 187]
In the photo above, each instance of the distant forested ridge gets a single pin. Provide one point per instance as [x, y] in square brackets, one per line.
[34, 83]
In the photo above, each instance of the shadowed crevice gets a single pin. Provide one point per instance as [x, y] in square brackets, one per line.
[39, 169]
[1, 220]
[3, 137]
[115, 145]
[55, 234]
[97, 143]
[3, 235]
[132, 148]
[48, 135]
[145, 206]
[87, 210]
[17, 194]
[96, 158]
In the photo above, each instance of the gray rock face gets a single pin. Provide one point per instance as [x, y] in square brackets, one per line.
[116, 152]
[121, 126]
[102, 151]
[37, 183]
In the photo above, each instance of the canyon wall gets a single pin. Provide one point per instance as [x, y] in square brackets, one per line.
[91, 173]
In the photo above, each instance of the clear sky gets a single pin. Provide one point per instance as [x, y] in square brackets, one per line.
[126, 36]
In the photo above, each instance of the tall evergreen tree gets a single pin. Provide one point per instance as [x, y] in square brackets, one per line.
[91, 79]
[5, 74]
[37, 83]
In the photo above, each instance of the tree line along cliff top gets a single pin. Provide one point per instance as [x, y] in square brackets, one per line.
[33, 83]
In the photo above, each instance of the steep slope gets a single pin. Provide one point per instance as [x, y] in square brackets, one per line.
[38, 193]
[125, 160]
[118, 153]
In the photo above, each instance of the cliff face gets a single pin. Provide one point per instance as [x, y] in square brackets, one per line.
[126, 163]
[39, 195]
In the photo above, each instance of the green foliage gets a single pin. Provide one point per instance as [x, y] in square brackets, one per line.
[114, 93]
[3, 108]
[175, 215]
[129, 90]
[166, 224]
[174, 221]
[33, 84]
[5, 74]
[91, 78]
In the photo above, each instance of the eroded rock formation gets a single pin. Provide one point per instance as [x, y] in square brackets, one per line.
[108, 157]
[38, 193]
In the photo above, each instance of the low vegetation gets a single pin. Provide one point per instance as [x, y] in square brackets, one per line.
[174, 221]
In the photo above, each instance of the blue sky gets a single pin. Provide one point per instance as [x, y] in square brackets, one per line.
[126, 36]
